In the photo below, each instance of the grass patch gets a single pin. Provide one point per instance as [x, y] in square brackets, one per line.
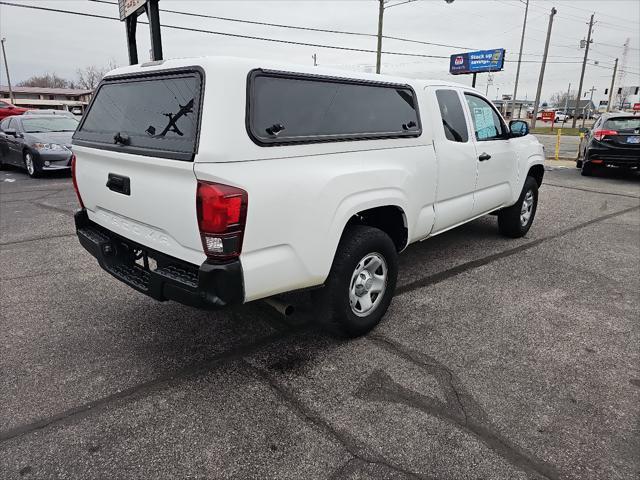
[570, 132]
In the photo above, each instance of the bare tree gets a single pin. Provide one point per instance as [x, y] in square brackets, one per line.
[48, 80]
[623, 97]
[559, 99]
[89, 77]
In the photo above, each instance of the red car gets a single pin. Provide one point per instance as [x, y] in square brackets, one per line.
[6, 110]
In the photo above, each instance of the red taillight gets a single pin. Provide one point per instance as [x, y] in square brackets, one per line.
[222, 212]
[73, 178]
[600, 134]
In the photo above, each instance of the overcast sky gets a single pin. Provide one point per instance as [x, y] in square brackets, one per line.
[39, 41]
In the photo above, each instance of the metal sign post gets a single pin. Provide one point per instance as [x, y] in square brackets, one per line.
[129, 12]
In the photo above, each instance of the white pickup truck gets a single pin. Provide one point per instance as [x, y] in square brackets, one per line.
[217, 181]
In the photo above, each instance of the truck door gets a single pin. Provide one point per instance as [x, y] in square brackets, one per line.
[496, 157]
[456, 156]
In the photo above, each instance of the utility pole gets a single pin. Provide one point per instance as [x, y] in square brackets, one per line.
[380, 18]
[544, 64]
[515, 88]
[584, 115]
[6, 66]
[584, 65]
[566, 100]
[613, 81]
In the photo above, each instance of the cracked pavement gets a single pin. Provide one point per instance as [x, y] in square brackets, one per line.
[498, 358]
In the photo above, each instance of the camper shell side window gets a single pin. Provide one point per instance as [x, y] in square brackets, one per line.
[290, 108]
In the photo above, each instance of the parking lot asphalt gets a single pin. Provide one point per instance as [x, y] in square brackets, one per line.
[568, 148]
[498, 358]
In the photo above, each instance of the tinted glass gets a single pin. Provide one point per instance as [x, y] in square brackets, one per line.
[3, 105]
[622, 123]
[49, 124]
[155, 113]
[486, 122]
[453, 121]
[4, 124]
[311, 109]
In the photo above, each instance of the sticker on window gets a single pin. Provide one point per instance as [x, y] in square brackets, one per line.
[483, 120]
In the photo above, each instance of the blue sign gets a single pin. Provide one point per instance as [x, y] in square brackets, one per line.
[476, 62]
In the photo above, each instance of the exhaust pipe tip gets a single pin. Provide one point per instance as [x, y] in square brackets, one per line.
[284, 309]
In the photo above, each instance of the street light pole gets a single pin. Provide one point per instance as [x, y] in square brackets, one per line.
[380, 19]
[6, 66]
[584, 65]
[381, 9]
[515, 88]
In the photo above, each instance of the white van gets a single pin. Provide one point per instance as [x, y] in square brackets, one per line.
[217, 181]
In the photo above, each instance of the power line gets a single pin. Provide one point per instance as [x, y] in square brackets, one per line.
[251, 37]
[295, 27]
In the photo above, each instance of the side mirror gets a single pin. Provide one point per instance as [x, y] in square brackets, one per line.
[10, 107]
[518, 128]
[583, 130]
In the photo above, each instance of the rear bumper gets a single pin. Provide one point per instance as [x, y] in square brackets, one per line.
[615, 157]
[208, 286]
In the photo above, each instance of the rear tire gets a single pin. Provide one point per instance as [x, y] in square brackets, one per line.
[361, 283]
[515, 221]
[578, 163]
[587, 169]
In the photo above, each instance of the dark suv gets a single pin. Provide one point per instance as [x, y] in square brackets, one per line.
[614, 140]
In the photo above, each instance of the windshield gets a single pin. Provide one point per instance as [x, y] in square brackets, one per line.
[622, 123]
[49, 124]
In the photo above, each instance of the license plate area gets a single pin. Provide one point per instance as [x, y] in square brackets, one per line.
[634, 139]
[143, 260]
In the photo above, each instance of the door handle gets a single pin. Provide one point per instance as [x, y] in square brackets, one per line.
[484, 156]
[119, 184]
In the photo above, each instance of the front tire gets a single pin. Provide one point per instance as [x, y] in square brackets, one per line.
[30, 165]
[515, 221]
[361, 283]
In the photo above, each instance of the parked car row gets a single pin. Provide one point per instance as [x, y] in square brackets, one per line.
[37, 143]
[8, 110]
[561, 116]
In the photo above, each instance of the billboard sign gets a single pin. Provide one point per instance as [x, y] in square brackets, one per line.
[476, 62]
[129, 7]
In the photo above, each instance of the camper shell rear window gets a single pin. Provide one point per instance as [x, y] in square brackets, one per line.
[155, 114]
[291, 108]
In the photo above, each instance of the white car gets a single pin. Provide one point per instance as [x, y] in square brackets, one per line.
[561, 117]
[218, 181]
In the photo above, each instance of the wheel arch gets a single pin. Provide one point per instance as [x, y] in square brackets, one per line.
[391, 219]
[537, 172]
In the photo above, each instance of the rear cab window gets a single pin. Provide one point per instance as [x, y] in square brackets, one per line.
[153, 114]
[287, 108]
